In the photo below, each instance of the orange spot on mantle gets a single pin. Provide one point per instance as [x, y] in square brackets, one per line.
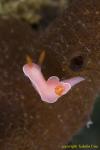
[59, 90]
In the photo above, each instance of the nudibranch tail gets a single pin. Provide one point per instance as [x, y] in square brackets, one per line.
[73, 81]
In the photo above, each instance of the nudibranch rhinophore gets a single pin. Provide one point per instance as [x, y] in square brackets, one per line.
[53, 88]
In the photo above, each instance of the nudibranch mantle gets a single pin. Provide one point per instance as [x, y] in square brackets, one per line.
[52, 89]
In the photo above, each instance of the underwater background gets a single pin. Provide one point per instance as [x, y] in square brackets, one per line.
[91, 135]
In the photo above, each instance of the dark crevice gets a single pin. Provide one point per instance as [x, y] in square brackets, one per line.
[77, 63]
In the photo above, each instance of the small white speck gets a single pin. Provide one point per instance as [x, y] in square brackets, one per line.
[6, 56]
[97, 12]
[22, 96]
[89, 123]
[81, 23]
[25, 115]
[60, 118]
[88, 50]
[31, 117]
[89, 80]
[45, 132]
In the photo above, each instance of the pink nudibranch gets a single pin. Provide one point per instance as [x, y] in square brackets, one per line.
[53, 88]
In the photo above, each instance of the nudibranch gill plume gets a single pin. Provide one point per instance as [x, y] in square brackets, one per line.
[52, 89]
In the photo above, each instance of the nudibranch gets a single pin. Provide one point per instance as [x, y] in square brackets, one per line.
[52, 89]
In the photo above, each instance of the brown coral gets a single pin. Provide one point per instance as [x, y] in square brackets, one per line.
[72, 48]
